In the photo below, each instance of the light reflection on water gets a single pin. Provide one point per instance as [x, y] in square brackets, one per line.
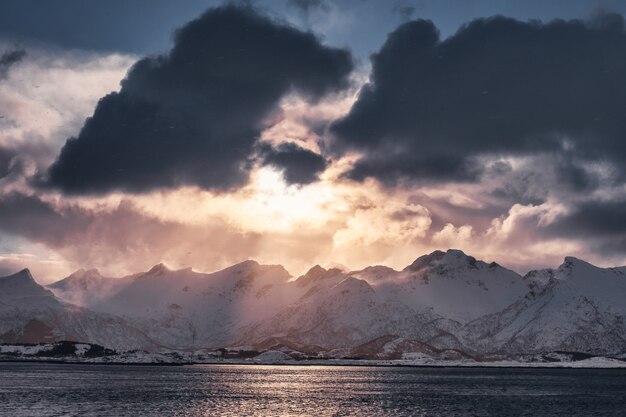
[235, 390]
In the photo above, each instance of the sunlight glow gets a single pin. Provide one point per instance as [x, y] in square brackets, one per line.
[283, 206]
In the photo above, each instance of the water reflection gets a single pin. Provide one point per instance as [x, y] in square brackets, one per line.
[255, 390]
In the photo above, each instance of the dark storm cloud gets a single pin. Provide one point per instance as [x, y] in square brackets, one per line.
[600, 224]
[592, 219]
[572, 175]
[390, 166]
[193, 116]
[299, 165]
[615, 246]
[6, 156]
[9, 59]
[498, 86]
[29, 217]
[536, 180]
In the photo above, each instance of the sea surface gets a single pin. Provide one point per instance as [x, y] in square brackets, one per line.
[40, 389]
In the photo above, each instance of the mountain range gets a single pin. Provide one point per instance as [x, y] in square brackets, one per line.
[444, 305]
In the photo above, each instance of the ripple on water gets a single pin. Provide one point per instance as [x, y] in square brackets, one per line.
[255, 390]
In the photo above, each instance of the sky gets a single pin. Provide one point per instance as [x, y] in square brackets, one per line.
[303, 132]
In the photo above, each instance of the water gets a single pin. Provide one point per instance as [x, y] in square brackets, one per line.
[224, 390]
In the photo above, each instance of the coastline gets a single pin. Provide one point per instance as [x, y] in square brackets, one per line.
[605, 363]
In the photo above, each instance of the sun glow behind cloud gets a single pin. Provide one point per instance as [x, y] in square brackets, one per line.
[333, 219]
[508, 213]
[266, 204]
[280, 207]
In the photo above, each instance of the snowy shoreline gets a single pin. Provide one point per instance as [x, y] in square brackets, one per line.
[85, 353]
[595, 363]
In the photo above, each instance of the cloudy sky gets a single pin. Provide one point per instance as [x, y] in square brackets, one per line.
[297, 132]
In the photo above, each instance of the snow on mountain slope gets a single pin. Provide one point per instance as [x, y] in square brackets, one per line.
[376, 274]
[578, 307]
[29, 313]
[88, 287]
[456, 286]
[318, 277]
[21, 290]
[428, 301]
[341, 311]
[341, 315]
[446, 300]
[187, 309]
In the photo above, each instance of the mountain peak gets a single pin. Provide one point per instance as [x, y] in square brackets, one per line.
[242, 267]
[249, 263]
[24, 275]
[317, 273]
[353, 284]
[375, 274]
[81, 278]
[570, 263]
[85, 273]
[425, 260]
[572, 260]
[158, 269]
[21, 283]
[449, 258]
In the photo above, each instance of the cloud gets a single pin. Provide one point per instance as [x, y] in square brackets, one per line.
[404, 10]
[124, 237]
[30, 217]
[334, 20]
[299, 165]
[193, 116]
[49, 96]
[450, 236]
[378, 226]
[267, 220]
[499, 86]
[119, 238]
[307, 7]
[525, 199]
[7, 268]
[6, 156]
[535, 179]
[591, 219]
[9, 59]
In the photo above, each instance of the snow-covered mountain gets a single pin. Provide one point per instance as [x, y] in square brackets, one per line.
[333, 314]
[577, 307]
[444, 304]
[88, 287]
[429, 301]
[187, 309]
[29, 313]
